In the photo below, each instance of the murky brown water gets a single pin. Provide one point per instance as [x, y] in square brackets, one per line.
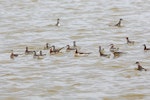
[65, 77]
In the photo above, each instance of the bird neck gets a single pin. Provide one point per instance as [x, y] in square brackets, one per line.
[145, 47]
[74, 44]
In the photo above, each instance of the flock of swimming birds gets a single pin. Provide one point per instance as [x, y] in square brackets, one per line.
[53, 50]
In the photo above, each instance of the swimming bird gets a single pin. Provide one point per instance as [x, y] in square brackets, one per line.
[74, 47]
[81, 54]
[47, 46]
[70, 48]
[112, 48]
[119, 23]
[53, 50]
[35, 55]
[129, 42]
[41, 54]
[57, 50]
[74, 44]
[27, 51]
[12, 55]
[145, 48]
[117, 54]
[58, 23]
[101, 52]
[140, 68]
[38, 56]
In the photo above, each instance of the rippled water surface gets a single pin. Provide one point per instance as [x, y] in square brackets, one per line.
[64, 77]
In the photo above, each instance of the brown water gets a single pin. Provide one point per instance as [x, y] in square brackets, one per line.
[65, 77]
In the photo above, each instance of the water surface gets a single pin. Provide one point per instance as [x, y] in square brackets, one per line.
[64, 77]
